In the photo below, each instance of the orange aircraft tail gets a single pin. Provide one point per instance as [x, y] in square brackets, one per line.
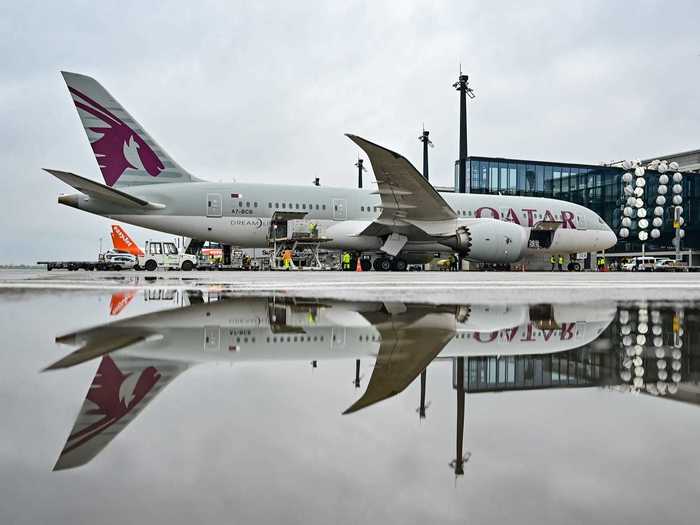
[122, 242]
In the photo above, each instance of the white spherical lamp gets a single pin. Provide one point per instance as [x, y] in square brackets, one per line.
[655, 234]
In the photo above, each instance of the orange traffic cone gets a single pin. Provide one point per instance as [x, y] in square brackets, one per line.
[358, 267]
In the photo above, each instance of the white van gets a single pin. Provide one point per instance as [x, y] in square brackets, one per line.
[640, 264]
[165, 255]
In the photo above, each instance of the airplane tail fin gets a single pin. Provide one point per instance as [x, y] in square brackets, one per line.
[125, 152]
[123, 243]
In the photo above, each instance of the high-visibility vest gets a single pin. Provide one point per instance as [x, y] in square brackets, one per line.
[346, 257]
[561, 260]
[552, 260]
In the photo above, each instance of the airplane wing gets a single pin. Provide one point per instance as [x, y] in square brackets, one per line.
[100, 191]
[120, 390]
[407, 198]
[409, 342]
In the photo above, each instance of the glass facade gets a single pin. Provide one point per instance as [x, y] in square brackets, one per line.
[599, 188]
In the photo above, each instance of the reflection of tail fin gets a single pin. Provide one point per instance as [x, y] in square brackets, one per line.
[120, 300]
[125, 153]
[122, 387]
[122, 242]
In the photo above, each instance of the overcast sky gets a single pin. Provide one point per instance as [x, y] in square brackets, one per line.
[263, 91]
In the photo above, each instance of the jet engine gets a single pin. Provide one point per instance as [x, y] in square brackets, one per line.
[490, 240]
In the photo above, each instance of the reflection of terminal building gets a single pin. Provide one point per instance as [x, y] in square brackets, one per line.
[607, 362]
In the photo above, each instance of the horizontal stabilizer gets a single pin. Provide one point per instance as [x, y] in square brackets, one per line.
[97, 347]
[101, 192]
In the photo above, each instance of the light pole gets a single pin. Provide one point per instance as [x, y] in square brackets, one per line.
[426, 142]
[462, 85]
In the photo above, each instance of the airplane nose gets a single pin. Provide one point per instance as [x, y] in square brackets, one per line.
[610, 237]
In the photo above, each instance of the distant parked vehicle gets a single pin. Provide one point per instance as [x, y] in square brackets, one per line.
[640, 264]
[120, 261]
[670, 265]
[165, 255]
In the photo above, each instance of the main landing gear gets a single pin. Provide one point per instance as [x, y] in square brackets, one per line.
[385, 264]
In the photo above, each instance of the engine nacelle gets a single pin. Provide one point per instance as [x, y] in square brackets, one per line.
[491, 240]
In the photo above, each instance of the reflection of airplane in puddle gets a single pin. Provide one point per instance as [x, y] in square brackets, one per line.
[140, 355]
[491, 348]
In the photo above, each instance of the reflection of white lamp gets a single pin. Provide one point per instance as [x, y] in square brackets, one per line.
[643, 236]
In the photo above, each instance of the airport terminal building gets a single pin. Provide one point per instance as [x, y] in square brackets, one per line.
[598, 187]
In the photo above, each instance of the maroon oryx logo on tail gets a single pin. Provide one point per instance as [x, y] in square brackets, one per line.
[119, 147]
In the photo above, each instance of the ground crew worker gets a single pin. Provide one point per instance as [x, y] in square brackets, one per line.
[346, 261]
[561, 262]
[313, 229]
[601, 263]
[453, 263]
[287, 259]
[553, 262]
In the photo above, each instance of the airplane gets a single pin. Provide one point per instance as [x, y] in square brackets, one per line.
[404, 221]
[139, 356]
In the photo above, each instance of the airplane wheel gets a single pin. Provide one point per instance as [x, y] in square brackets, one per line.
[382, 264]
[399, 265]
[187, 266]
[151, 265]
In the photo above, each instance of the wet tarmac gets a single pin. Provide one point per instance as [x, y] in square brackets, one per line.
[344, 398]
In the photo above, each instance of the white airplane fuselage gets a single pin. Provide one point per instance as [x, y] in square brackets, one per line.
[241, 214]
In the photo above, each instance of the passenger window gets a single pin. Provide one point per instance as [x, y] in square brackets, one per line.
[255, 205]
[317, 206]
[156, 248]
[284, 205]
[297, 206]
[247, 204]
[303, 206]
[269, 205]
[362, 208]
[240, 204]
[170, 248]
[277, 205]
[323, 206]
